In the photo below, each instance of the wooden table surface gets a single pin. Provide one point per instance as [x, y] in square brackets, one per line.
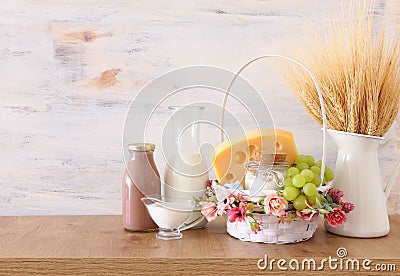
[98, 245]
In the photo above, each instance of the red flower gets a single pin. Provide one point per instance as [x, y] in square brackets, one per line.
[237, 213]
[347, 207]
[209, 183]
[335, 218]
[336, 195]
[310, 216]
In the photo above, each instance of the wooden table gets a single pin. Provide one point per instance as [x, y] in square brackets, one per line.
[77, 245]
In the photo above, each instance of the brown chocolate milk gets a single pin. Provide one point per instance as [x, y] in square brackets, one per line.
[140, 178]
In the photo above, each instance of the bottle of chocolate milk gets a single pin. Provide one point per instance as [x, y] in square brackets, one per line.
[141, 178]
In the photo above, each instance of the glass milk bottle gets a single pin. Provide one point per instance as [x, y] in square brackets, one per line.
[186, 171]
[141, 178]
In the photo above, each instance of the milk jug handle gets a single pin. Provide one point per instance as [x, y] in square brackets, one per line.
[396, 171]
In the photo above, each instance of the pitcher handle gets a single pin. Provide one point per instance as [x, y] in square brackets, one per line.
[396, 170]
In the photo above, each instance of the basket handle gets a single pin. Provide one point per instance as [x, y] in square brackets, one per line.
[321, 100]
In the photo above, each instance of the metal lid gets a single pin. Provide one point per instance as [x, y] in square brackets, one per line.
[141, 147]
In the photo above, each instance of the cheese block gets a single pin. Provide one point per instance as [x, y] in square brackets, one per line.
[231, 155]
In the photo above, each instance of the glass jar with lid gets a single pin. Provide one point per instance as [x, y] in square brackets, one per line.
[266, 172]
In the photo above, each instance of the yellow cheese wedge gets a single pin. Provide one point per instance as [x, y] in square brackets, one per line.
[231, 155]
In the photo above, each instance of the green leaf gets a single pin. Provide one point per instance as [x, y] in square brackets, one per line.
[334, 205]
[329, 199]
[329, 208]
[250, 207]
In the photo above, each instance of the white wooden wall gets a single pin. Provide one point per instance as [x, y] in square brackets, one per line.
[69, 69]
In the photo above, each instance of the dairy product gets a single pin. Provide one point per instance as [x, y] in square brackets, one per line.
[169, 215]
[140, 178]
[186, 174]
[231, 155]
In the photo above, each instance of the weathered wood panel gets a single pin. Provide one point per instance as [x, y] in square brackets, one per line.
[69, 70]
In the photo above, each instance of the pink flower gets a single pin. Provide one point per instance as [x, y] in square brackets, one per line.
[347, 207]
[275, 205]
[255, 226]
[230, 199]
[335, 194]
[209, 210]
[225, 204]
[236, 196]
[287, 217]
[222, 207]
[335, 218]
[307, 215]
[237, 213]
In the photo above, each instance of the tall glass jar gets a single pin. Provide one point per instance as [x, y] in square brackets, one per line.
[140, 178]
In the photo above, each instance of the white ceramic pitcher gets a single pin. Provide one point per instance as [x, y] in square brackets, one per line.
[357, 174]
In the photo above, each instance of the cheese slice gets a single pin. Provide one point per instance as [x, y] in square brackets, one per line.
[231, 155]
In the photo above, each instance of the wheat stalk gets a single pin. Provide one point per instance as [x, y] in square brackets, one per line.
[358, 69]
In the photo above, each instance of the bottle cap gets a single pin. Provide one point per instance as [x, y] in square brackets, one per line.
[141, 147]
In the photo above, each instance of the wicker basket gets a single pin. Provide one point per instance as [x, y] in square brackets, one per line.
[272, 231]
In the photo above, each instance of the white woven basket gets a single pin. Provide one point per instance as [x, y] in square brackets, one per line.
[272, 231]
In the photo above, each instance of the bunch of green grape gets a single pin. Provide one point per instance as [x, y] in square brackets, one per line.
[302, 180]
